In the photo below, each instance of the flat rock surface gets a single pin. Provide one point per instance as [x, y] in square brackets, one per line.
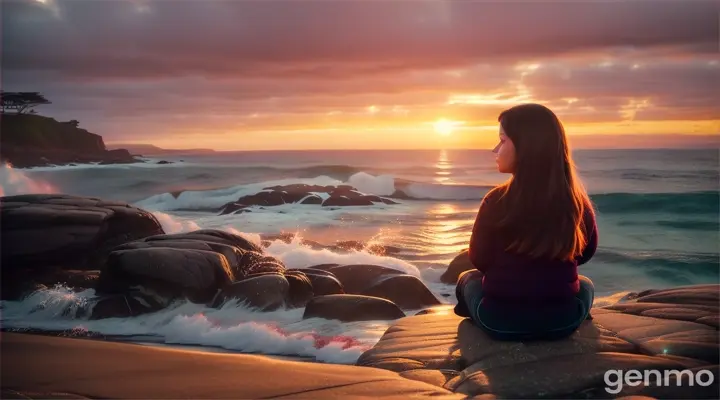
[44, 367]
[661, 330]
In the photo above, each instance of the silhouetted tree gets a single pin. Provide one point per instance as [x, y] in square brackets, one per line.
[21, 101]
[74, 123]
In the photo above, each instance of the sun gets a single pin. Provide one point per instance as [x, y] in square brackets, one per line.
[444, 127]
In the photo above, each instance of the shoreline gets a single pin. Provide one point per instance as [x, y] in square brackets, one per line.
[429, 355]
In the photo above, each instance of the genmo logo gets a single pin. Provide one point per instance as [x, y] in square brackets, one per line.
[616, 379]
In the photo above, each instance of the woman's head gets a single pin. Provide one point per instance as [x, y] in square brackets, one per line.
[531, 136]
[543, 199]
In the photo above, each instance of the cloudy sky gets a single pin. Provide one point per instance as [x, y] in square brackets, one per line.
[297, 74]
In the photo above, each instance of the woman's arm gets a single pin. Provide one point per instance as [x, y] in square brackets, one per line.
[592, 240]
[480, 250]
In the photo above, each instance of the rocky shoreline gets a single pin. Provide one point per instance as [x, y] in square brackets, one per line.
[135, 267]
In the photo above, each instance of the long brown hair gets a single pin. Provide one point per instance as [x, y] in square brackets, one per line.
[543, 203]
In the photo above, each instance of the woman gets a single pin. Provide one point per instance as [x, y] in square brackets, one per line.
[530, 235]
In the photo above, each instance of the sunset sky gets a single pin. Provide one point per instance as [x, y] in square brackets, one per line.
[248, 75]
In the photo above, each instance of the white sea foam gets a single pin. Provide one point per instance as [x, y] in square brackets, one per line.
[213, 199]
[383, 185]
[232, 327]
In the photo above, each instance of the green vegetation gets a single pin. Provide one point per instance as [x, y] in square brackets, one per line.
[21, 102]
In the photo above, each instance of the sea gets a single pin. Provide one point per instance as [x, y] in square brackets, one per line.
[658, 219]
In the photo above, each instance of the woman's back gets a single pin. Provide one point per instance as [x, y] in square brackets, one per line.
[530, 235]
[522, 278]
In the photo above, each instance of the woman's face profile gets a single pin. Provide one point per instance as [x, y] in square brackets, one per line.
[505, 154]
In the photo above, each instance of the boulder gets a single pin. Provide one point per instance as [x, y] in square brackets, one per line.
[262, 291]
[245, 257]
[407, 291]
[213, 236]
[456, 355]
[357, 277]
[312, 199]
[46, 233]
[301, 289]
[126, 305]
[168, 272]
[342, 195]
[458, 265]
[345, 201]
[323, 282]
[349, 308]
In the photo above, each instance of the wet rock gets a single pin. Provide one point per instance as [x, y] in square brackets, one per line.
[342, 195]
[312, 199]
[458, 265]
[127, 305]
[357, 277]
[163, 162]
[263, 291]
[301, 289]
[349, 308]
[213, 236]
[345, 201]
[43, 232]
[323, 282]
[406, 291]
[171, 273]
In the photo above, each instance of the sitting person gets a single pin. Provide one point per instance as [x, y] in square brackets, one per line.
[530, 235]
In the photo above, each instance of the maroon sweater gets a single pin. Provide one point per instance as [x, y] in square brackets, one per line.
[511, 278]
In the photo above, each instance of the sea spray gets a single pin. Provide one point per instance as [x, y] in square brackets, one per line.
[231, 327]
[14, 182]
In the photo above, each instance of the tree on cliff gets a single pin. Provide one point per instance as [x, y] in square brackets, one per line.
[21, 101]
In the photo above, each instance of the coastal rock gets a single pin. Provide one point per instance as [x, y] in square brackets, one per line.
[170, 273]
[573, 367]
[213, 236]
[357, 277]
[244, 257]
[323, 282]
[126, 305]
[407, 291]
[263, 291]
[301, 289]
[458, 265]
[341, 195]
[46, 233]
[349, 308]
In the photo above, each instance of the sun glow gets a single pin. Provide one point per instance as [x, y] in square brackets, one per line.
[445, 127]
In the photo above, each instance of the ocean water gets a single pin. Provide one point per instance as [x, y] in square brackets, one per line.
[658, 218]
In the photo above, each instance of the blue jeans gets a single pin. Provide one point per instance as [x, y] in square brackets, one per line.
[520, 325]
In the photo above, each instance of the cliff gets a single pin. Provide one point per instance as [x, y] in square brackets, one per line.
[33, 140]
